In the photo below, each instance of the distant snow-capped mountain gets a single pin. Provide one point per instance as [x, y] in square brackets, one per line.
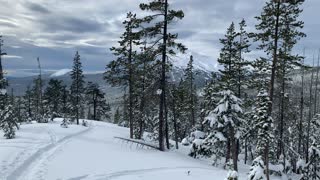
[200, 62]
[114, 94]
[60, 73]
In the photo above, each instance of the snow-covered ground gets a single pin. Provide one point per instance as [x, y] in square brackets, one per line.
[49, 152]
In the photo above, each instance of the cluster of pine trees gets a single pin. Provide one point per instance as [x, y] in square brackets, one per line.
[265, 110]
[251, 108]
[42, 102]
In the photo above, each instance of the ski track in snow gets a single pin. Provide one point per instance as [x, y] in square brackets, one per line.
[134, 172]
[34, 167]
[6, 167]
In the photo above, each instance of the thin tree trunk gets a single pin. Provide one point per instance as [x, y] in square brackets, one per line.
[301, 108]
[315, 111]
[163, 79]
[282, 110]
[2, 83]
[275, 56]
[192, 95]
[94, 105]
[310, 115]
[273, 70]
[228, 150]
[245, 150]
[175, 122]
[130, 85]
[234, 149]
[167, 126]
[266, 160]
[142, 104]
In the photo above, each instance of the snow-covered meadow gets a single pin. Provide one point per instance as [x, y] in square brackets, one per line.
[49, 152]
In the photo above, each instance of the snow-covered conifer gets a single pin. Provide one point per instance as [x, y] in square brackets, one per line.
[8, 121]
[225, 120]
[257, 170]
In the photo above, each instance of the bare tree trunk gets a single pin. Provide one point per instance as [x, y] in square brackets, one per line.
[245, 150]
[301, 108]
[94, 105]
[234, 150]
[192, 96]
[167, 126]
[142, 104]
[282, 107]
[175, 122]
[266, 160]
[316, 91]
[130, 85]
[310, 115]
[2, 84]
[163, 79]
[228, 150]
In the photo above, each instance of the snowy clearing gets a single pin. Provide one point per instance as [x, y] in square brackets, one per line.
[47, 151]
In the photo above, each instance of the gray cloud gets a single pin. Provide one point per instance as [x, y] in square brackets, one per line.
[37, 8]
[54, 30]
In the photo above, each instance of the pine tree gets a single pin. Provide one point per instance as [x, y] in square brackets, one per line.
[279, 30]
[241, 64]
[121, 71]
[182, 110]
[96, 100]
[145, 95]
[225, 119]
[77, 87]
[272, 26]
[35, 101]
[263, 124]
[162, 43]
[53, 97]
[229, 57]
[9, 120]
[189, 81]
[66, 108]
[257, 170]
[27, 104]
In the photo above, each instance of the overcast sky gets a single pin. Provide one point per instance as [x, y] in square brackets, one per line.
[54, 29]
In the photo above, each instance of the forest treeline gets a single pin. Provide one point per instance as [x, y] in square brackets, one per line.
[262, 112]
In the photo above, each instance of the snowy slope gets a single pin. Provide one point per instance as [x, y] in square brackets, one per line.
[47, 151]
[60, 73]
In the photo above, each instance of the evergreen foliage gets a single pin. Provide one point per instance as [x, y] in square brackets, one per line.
[77, 88]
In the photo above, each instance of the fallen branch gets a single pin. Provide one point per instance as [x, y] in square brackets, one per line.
[138, 142]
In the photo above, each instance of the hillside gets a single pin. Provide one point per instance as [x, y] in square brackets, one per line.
[47, 151]
[20, 84]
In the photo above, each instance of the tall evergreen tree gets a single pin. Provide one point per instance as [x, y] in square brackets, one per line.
[278, 32]
[77, 87]
[229, 57]
[242, 63]
[37, 101]
[164, 44]
[121, 71]
[190, 83]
